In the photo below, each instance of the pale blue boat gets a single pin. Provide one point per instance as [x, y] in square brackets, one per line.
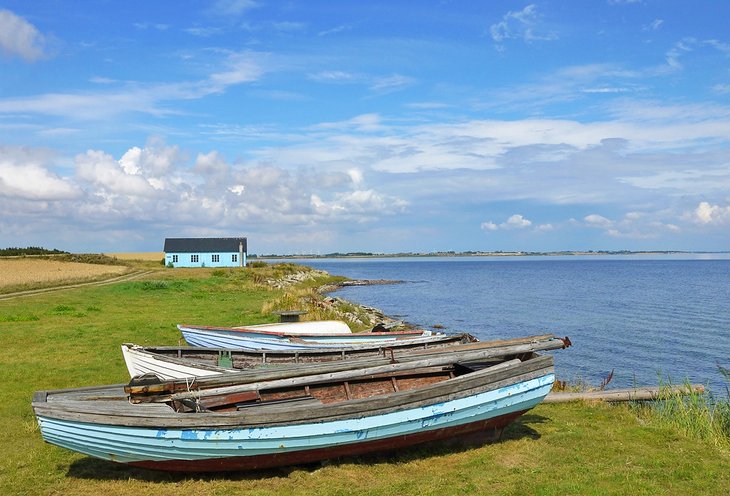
[250, 425]
[258, 338]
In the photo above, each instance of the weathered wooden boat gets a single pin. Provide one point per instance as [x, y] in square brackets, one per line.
[274, 418]
[178, 362]
[253, 338]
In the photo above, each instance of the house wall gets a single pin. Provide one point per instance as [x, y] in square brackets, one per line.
[204, 259]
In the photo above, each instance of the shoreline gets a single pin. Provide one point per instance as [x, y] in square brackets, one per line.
[479, 254]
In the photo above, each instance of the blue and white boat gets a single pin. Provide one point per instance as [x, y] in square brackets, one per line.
[248, 421]
[265, 338]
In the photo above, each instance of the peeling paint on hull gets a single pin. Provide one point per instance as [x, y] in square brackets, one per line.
[240, 463]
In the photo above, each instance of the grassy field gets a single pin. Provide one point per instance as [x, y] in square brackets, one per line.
[71, 338]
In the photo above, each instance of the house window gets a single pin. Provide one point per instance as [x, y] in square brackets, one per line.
[174, 259]
[194, 258]
[216, 258]
[234, 258]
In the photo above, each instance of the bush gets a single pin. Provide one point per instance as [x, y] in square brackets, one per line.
[155, 285]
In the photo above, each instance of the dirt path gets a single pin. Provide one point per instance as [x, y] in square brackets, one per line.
[125, 277]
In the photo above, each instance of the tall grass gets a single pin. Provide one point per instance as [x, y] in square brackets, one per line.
[701, 415]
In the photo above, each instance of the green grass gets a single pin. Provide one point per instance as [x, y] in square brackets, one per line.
[698, 415]
[71, 338]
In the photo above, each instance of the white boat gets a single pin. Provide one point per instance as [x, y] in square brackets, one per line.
[296, 328]
[258, 338]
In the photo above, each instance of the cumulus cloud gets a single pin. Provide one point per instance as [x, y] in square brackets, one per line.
[23, 175]
[157, 185]
[707, 214]
[515, 221]
[107, 175]
[595, 220]
[20, 38]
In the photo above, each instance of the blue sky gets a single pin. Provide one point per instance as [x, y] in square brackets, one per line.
[381, 126]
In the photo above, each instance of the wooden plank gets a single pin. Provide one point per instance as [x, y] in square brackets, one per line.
[646, 393]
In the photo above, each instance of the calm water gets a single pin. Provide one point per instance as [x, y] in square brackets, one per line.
[643, 318]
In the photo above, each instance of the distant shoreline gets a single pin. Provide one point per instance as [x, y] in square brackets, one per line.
[488, 254]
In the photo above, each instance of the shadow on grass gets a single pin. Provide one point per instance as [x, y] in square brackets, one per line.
[92, 468]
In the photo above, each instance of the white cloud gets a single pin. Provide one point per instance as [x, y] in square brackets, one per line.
[241, 67]
[368, 202]
[356, 176]
[595, 220]
[335, 30]
[20, 38]
[149, 98]
[515, 221]
[394, 82]
[154, 160]
[335, 77]
[707, 214]
[23, 175]
[101, 171]
[521, 24]
[204, 32]
[237, 189]
[654, 25]
[677, 51]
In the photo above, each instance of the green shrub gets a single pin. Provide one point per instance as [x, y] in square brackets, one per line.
[155, 285]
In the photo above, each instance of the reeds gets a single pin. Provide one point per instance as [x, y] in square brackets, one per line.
[699, 415]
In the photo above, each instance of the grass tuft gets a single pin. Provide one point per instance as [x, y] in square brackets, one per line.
[700, 415]
[19, 318]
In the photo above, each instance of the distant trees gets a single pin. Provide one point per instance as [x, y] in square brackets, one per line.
[31, 250]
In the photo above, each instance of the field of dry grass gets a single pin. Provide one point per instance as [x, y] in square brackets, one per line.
[155, 256]
[21, 272]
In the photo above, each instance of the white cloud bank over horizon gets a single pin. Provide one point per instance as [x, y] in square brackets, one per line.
[315, 188]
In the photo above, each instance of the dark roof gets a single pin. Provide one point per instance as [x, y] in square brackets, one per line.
[203, 245]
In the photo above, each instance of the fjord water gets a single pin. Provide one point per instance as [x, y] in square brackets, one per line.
[648, 319]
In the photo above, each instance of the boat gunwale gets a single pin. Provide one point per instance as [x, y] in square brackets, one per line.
[286, 335]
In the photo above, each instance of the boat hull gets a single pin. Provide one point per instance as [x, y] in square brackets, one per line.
[232, 338]
[309, 327]
[247, 446]
[492, 426]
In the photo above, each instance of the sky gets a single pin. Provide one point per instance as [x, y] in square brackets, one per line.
[379, 126]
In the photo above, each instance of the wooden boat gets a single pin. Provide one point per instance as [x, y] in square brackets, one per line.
[274, 418]
[178, 362]
[253, 338]
[308, 327]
